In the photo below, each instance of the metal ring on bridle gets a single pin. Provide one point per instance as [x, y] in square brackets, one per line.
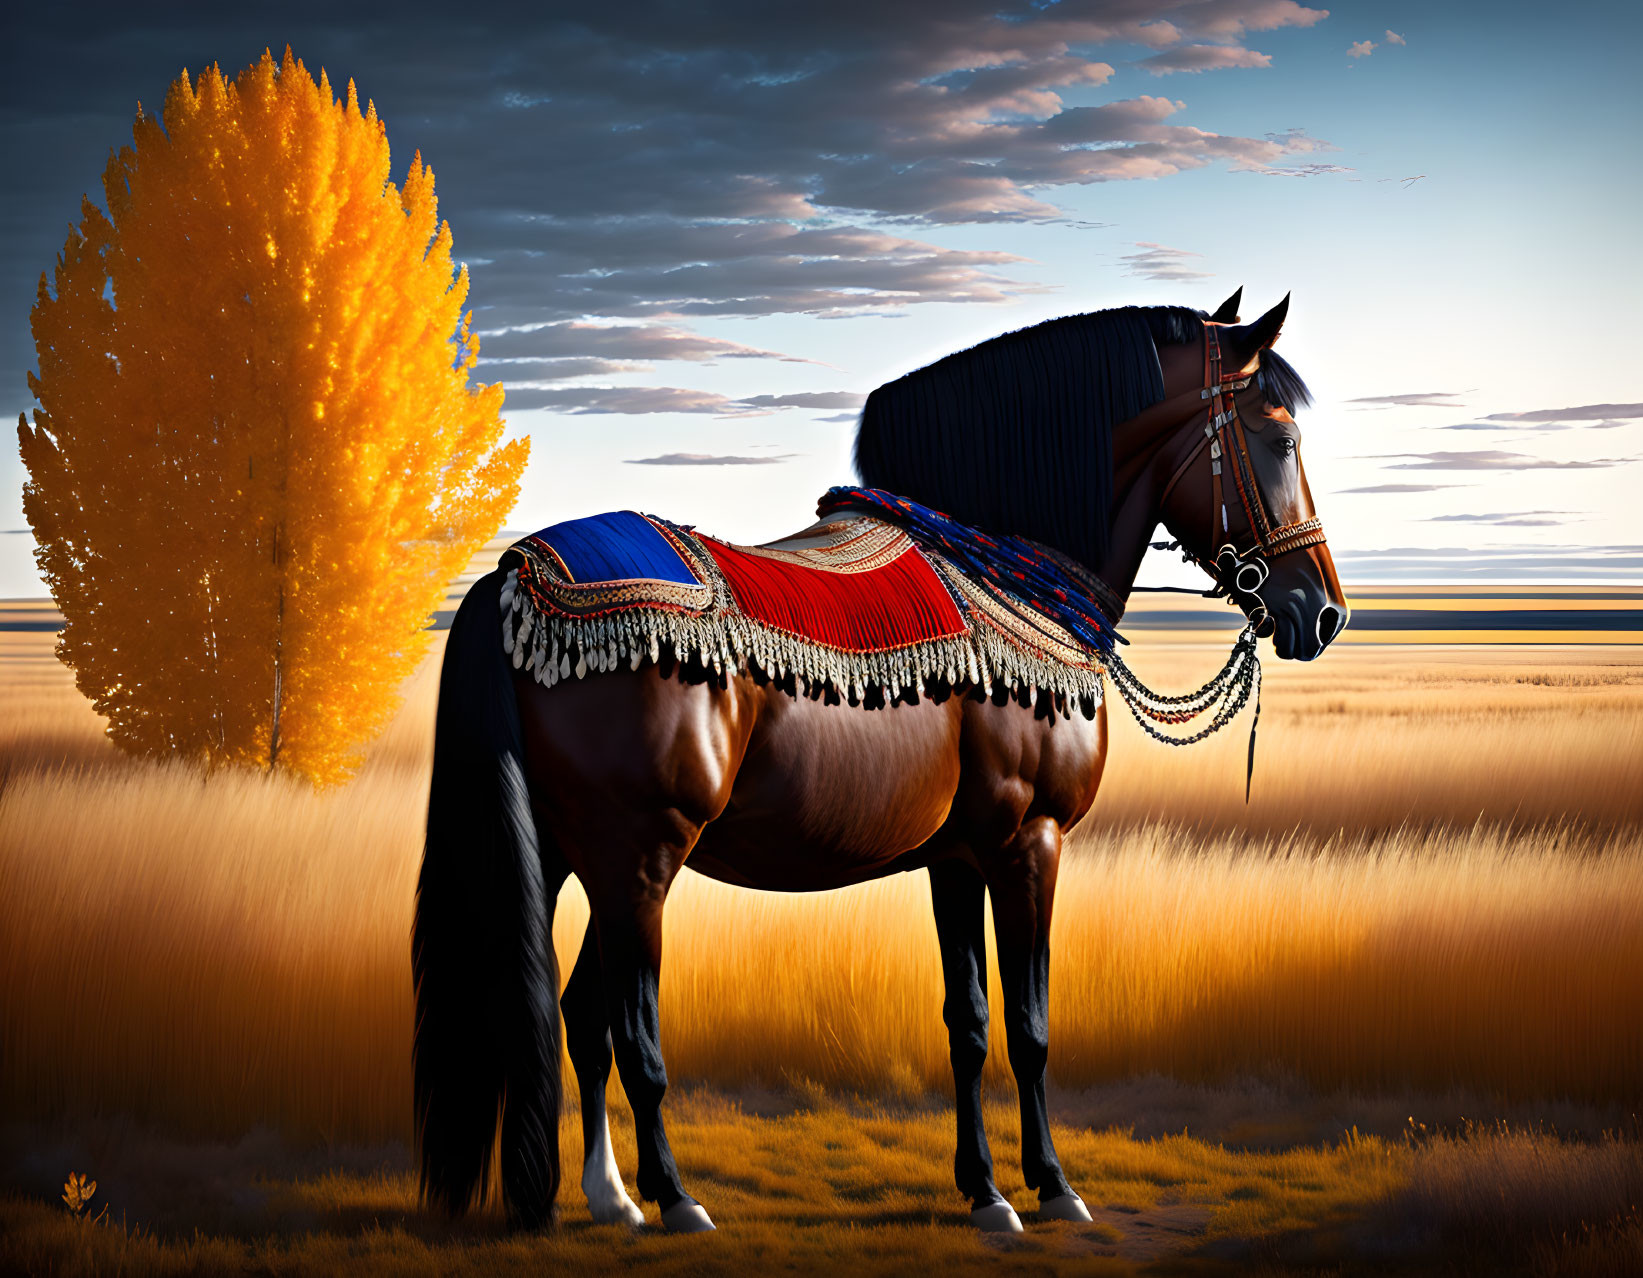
[1249, 575]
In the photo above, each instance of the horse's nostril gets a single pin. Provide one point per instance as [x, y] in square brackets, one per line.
[1329, 622]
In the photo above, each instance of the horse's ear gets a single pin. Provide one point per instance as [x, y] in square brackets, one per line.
[1249, 340]
[1227, 311]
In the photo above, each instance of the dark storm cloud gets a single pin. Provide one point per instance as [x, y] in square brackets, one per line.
[1496, 459]
[651, 160]
[707, 459]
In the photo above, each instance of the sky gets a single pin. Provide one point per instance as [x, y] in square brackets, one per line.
[699, 234]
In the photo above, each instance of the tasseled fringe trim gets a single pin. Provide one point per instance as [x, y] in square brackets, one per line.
[555, 646]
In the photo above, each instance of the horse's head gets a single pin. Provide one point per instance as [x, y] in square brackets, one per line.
[1239, 502]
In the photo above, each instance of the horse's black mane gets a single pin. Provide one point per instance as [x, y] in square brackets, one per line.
[1015, 434]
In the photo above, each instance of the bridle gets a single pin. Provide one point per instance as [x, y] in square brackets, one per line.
[1237, 571]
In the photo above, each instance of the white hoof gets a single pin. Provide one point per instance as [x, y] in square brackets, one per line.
[1066, 1207]
[686, 1217]
[608, 1200]
[610, 1205]
[996, 1218]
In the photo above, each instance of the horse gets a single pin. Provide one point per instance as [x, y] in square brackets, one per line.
[1082, 434]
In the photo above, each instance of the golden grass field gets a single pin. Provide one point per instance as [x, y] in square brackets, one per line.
[1432, 907]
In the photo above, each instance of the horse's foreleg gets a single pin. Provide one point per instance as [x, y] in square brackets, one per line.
[587, 1035]
[1022, 882]
[630, 953]
[958, 894]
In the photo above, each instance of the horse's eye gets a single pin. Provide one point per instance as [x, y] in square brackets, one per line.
[1285, 446]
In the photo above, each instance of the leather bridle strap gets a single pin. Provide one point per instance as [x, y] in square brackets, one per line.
[1215, 392]
[1212, 390]
[1192, 456]
[1229, 447]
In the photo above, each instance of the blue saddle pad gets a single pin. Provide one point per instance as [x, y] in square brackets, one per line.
[619, 546]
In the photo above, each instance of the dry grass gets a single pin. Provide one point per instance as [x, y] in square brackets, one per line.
[192, 958]
[1491, 1179]
[222, 952]
[1377, 738]
[820, 1190]
[823, 1186]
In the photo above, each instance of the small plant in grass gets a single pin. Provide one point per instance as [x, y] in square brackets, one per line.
[77, 1191]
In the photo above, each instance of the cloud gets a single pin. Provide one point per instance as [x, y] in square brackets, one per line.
[554, 370]
[1620, 565]
[1157, 262]
[1195, 58]
[706, 459]
[1413, 399]
[651, 162]
[643, 342]
[807, 399]
[1392, 37]
[1362, 48]
[1495, 459]
[1512, 519]
[1303, 170]
[635, 400]
[1584, 413]
[1521, 426]
[639, 400]
[666, 269]
[1401, 488]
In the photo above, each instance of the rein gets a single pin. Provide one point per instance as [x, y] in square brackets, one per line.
[1222, 698]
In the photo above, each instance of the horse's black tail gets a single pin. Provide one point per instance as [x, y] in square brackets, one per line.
[487, 980]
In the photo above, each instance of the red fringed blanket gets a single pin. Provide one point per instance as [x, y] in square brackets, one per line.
[850, 608]
[899, 603]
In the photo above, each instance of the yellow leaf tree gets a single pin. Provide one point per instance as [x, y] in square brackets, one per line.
[257, 460]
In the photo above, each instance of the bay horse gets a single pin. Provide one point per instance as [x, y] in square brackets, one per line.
[1083, 434]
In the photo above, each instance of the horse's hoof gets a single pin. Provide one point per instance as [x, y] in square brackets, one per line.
[610, 1205]
[686, 1217]
[608, 1200]
[1066, 1207]
[996, 1218]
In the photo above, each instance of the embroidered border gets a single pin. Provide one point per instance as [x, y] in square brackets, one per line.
[873, 543]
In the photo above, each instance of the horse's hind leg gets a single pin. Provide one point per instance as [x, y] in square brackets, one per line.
[1022, 882]
[587, 1035]
[958, 895]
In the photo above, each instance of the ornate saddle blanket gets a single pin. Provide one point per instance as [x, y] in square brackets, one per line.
[856, 607]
